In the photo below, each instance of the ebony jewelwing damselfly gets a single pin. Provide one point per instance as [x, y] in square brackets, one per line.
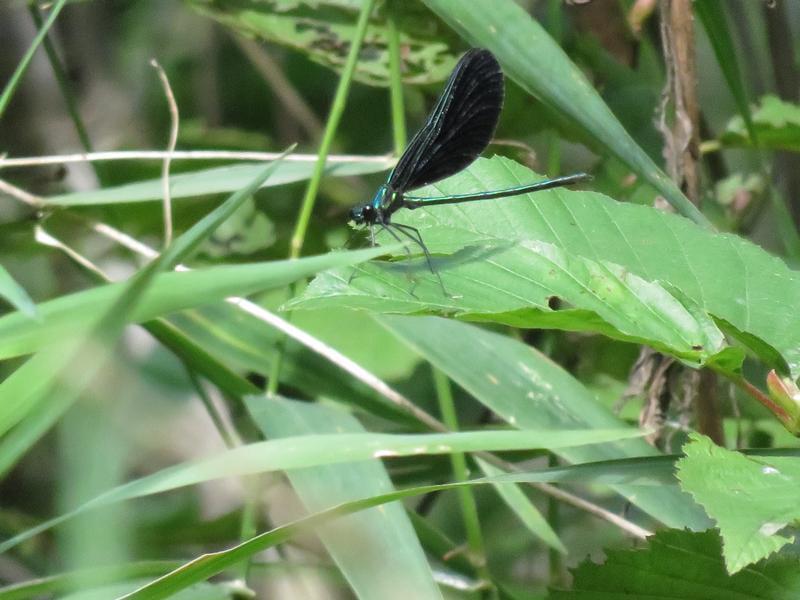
[458, 129]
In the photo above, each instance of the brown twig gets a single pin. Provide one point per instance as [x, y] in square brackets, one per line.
[682, 137]
[682, 154]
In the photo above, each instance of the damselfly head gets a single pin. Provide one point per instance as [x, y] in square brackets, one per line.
[364, 214]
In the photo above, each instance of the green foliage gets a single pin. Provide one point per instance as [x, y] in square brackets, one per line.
[680, 565]
[548, 299]
[752, 499]
[776, 122]
[324, 29]
[528, 391]
[532, 59]
[361, 542]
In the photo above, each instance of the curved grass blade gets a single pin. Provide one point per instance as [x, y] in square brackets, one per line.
[215, 180]
[531, 58]
[522, 506]
[714, 19]
[301, 452]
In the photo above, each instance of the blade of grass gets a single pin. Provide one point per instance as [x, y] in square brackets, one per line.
[301, 452]
[61, 79]
[15, 294]
[64, 316]
[16, 77]
[174, 291]
[332, 124]
[529, 391]
[521, 506]
[531, 58]
[358, 544]
[469, 508]
[72, 580]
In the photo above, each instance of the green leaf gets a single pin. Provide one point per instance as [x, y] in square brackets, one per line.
[170, 292]
[359, 544]
[629, 271]
[303, 452]
[214, 181]
[534, 60]
[751, 498]
[679, 565]
[517, 285]
[248, 230]
[323, 29]
[528, 391]
[777, 124]
[15, 294]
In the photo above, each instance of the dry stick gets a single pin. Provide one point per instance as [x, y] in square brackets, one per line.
[173, 140]
[682, 150]
[351, 367]
[35, 161]
[682, 139]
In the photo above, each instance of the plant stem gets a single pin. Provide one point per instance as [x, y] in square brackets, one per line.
[469, 509]
[396, 83]
[553, 518]
[334, 117]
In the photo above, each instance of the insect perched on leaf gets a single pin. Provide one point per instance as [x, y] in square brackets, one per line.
[458, 129]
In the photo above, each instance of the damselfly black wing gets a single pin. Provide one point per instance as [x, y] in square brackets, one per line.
[460, 126]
